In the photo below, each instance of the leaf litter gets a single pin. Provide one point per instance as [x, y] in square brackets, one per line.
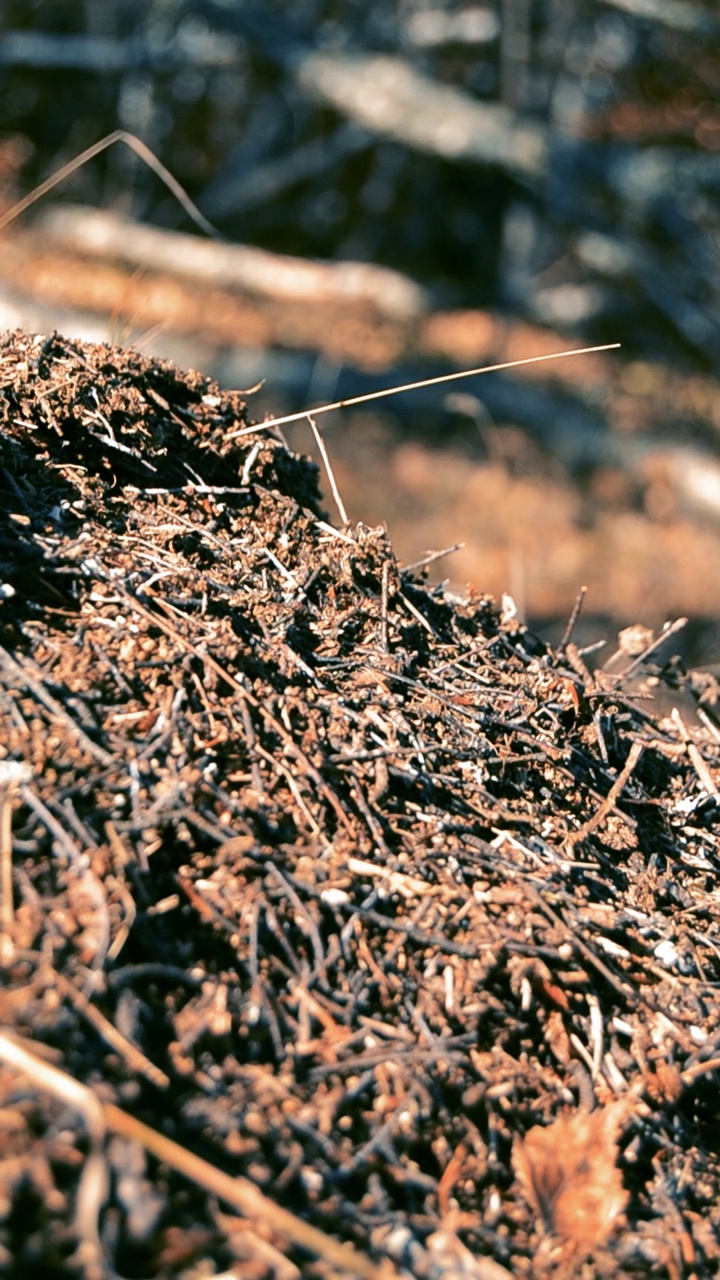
[346, 927]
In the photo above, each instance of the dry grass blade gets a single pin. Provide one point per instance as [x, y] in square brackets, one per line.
[141, 150]
[414, 386]
[56, 1082]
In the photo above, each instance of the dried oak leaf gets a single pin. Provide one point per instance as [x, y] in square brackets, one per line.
[568, 1172]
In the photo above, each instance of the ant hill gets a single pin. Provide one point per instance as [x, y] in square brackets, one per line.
[401, 925]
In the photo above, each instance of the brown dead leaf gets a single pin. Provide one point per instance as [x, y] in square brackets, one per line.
[568, 1172]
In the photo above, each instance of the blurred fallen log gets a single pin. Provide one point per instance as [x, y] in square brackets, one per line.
[392, 99]
[110, 235]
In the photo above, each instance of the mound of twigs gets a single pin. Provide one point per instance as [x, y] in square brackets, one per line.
[346, 929]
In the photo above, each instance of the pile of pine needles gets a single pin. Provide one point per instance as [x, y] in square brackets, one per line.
[346, 928]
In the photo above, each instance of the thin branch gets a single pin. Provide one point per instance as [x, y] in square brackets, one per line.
[431, 557]
[572, 620]
[612, 796]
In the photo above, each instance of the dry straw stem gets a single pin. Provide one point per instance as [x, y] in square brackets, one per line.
[138, 146]
[105, 1118]
[414, 386]
[311, 414]
[328, 467]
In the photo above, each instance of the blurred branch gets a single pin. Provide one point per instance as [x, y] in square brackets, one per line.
[515, 51]
[675, 14]
[431, 28]
[101, 55]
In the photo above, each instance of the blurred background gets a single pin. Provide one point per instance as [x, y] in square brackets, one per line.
[403, 189]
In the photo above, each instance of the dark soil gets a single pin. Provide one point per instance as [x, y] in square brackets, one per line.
[353, 889]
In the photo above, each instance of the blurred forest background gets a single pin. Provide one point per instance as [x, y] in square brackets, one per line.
[404, 189]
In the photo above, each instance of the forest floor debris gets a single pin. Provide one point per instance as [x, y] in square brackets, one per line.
[320, 882]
